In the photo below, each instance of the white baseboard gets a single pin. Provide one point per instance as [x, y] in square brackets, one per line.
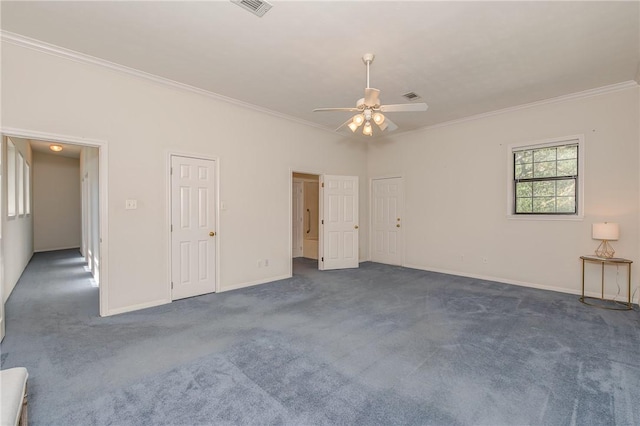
[137, 307]
[165, 301]
[56, 248]
[621, 298]
[252, 283]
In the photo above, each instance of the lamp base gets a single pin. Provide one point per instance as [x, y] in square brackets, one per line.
[605, 250]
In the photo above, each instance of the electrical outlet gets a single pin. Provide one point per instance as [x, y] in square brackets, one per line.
[131, 204]
[485, 260]
[266, 262]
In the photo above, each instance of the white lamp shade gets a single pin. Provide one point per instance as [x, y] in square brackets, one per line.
[605, 231]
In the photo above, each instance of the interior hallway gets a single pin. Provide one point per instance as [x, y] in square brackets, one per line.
[377, 345]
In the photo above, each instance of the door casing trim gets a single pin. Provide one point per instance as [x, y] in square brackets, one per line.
[103, 172]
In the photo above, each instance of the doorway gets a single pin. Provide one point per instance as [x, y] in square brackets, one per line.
[306, 215]
[96, 191]
[324, 220]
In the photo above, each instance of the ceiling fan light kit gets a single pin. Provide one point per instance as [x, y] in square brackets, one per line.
[370, 108]
[367, 131]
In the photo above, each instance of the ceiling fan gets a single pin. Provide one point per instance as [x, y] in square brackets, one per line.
[370, 108]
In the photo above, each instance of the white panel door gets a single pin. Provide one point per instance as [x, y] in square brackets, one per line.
[339, 222]
[387, 204]
[297, 218]
[193, 218]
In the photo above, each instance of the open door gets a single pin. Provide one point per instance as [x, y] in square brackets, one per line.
[339, 222]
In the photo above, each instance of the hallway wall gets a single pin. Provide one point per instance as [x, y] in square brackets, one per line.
[17, 231]
[56, 202]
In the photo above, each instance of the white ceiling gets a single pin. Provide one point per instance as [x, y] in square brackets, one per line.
[463, 58]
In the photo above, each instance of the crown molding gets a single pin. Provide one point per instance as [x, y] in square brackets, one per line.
[30, 43]
[41, 46]
[578, 95]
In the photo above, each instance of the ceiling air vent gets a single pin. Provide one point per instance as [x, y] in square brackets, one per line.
[257, 7]
[412, 96]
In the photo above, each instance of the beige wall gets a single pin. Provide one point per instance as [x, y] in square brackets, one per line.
[456, 179]
[56, 202]
[17, 232]
[143, 122]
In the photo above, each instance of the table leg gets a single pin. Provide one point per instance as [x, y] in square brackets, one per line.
[602, 281]
[629, 286]
[582, 280]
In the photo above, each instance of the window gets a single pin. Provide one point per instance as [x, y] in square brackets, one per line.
[27, 188]
[546, 178]
[20, 184]
[11, 179]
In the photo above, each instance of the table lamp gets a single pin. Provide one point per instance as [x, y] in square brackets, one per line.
[606, 232]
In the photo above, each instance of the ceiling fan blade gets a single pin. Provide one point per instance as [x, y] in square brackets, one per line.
[343, 127]
[371, 97]
[335, 109]
[404, 107]
[391, 126]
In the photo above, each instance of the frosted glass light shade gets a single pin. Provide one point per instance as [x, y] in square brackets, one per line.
[367, 131]
[605, 231]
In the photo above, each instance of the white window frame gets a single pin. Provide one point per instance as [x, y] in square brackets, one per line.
[27, 189]
[565, 140]
[12, 208]
[20, 182]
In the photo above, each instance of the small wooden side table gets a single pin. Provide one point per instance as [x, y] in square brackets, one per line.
[618, 306]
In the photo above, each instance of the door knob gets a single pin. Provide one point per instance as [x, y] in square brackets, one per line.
[398, 226]
[212, 234]
[355, 227]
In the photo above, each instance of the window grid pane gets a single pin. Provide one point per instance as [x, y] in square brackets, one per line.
[541, 184]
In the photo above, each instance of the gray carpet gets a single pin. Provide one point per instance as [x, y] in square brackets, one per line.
[380, 345]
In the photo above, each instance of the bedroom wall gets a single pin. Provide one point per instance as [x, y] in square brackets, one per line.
[456, 193]
[56, 202]
[143, 121]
